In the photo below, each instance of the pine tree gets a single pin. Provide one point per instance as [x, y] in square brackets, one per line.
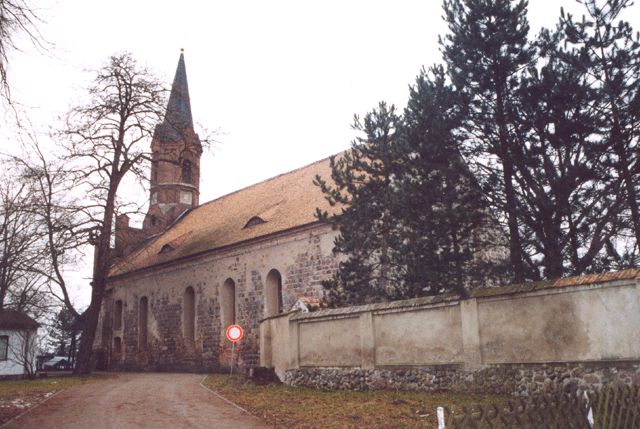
[609, 56]
[566, 209]
[363, 179]
[64, 333]
[486, 48]
[447, 233]
[413, 222]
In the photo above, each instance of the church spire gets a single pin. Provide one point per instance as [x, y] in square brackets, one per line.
[179, 107]
[175, 160]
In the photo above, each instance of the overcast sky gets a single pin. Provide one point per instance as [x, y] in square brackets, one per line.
[281, 79]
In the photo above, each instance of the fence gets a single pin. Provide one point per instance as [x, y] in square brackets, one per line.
[610, 408]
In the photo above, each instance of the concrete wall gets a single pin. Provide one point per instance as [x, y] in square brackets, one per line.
[278, 342]
[573, 325]
[302, 257]
[594, 324]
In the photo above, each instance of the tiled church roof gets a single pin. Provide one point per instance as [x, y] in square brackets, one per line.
[282, 202]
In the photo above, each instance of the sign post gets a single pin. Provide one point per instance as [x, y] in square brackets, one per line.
[234, 334]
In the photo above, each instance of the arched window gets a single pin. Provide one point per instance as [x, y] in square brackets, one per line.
[189, 316]
[228, 303]
[143, 315]
[117, 315]
[186, 171]
[117, 345]
[273, 293]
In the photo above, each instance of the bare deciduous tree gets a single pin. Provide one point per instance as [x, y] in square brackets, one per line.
[105, 141]
[21, 245]
[58, 212]
[17, 17]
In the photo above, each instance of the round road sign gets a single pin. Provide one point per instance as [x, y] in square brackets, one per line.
[234, 333]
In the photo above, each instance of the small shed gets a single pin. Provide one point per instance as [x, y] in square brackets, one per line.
[18, 344]
[57, 363]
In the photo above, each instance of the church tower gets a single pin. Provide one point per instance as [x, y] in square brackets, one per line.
[175, 167]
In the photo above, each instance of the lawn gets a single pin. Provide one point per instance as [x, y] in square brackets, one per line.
[300, 407]
[18, 395]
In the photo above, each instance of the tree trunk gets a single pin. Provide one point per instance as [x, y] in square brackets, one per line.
[90, 319]
[515, 247]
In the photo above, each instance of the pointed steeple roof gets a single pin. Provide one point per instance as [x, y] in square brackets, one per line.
[179, 107]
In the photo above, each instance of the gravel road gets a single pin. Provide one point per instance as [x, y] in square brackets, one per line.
[134, 400]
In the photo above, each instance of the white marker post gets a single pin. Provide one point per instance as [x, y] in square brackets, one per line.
[590, 412]
[234, 334]
[440, 414]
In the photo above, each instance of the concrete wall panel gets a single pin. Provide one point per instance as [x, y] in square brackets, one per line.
[423, 337]
[579, 325]
[332, 342]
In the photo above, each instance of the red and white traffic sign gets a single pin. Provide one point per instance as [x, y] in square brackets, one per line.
[234, 333]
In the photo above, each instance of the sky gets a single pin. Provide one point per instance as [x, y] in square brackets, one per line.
[280, 79]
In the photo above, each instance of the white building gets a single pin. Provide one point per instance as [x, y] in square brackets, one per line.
[18, 344]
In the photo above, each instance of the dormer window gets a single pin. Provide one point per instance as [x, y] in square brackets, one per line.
[165, 249]
[256, 220]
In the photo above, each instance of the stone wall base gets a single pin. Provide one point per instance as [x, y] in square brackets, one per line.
[511, 379]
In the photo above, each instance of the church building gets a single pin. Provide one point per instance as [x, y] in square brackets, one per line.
[193, 269]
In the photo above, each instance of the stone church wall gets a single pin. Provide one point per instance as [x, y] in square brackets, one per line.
[302, 257]
[517, 340]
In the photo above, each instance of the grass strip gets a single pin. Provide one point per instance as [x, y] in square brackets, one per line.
[300, 407]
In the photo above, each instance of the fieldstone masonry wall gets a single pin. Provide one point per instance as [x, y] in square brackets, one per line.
[302, 257]
[519, 340]
[514, 379]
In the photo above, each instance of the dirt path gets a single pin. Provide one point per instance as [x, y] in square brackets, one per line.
[138, 401]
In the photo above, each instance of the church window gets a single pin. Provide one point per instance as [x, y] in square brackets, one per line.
[273, 293]
[154, 171]
[154, 198]
[228, 303]
[117, 315]
[143, 315]
[117, 345]
[186, 171]
[189, 315]
[256, 220]
[153, 220]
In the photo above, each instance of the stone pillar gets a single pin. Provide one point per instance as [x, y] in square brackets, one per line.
[470, 333]
[266, 359]
[294, 344]
[367, 341]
